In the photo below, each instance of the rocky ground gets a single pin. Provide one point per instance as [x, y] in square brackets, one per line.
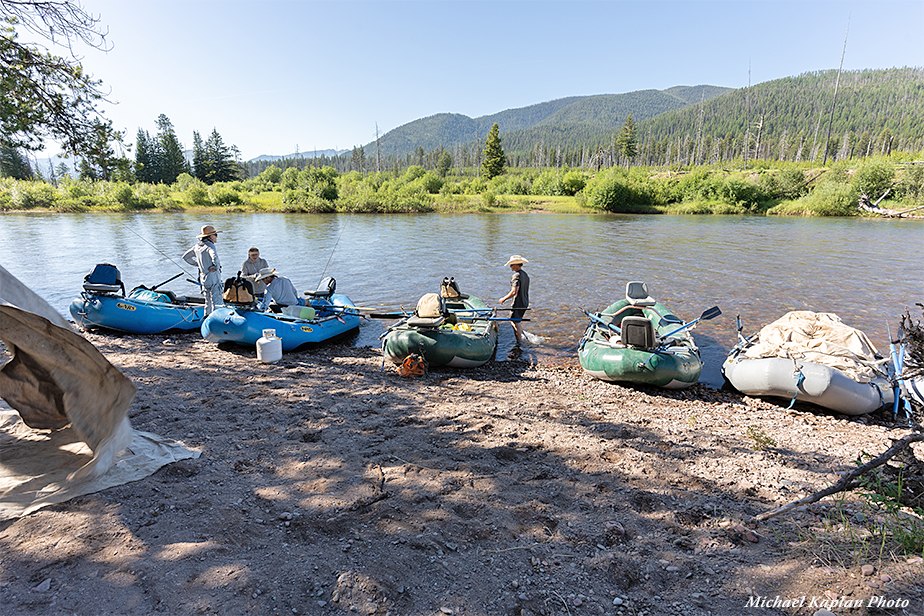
[330, 485]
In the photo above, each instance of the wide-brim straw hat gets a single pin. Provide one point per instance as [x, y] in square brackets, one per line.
[207, 230]
[515, 259]
[266, 272]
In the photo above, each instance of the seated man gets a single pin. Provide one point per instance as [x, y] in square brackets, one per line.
[278, 288]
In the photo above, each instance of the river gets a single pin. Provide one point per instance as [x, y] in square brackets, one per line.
[868, 271]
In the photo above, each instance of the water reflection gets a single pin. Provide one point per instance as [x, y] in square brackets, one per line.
[756, 267]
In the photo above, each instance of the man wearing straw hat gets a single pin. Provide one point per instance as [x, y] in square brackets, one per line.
[519, 290]
[278, 288]
[205, 257]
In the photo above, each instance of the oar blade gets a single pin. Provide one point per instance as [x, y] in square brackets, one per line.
[711, 313]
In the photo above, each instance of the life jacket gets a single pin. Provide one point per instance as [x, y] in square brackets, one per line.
[238, 291]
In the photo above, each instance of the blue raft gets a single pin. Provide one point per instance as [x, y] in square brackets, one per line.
[324, 319]
[143, 311]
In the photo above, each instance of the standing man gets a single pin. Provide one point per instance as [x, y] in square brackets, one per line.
[252, 267]
[205, 257]
[519, 290]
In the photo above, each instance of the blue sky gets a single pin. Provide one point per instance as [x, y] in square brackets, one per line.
[273, 75]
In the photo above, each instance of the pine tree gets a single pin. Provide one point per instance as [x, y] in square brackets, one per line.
[494, 158]
[145, 161]
[13, 164]
[627, 142]
[220, 162]
[200, 162]
[174, 161]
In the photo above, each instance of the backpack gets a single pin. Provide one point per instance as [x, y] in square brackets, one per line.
[238, 291]
[431, 306]
[449, 289]
[104, 278]
[413, 366]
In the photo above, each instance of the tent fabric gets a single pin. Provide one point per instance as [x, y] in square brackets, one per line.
[821, 338]
[63, 398]
[38, 467]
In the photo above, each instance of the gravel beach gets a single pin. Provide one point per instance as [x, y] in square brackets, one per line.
[329, 484]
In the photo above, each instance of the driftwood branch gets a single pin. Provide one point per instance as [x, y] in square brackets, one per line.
[847, 481]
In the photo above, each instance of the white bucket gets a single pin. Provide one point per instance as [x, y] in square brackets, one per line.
[269, 347]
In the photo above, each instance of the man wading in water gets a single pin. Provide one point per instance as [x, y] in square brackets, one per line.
[519, 290]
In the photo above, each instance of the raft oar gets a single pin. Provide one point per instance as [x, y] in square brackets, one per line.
[490, 319]
[154, 288]
[597, 319]
[707, 315]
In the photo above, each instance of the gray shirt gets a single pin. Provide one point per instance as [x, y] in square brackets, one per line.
[282, 290]
[251, 269]
[204, 256]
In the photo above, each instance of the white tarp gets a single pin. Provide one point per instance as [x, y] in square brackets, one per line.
[821, 338]
[56, 379]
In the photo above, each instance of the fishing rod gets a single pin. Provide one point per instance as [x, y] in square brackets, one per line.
[333, 250]
[169, 258]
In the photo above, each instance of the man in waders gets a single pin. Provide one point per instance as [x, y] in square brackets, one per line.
[205, 257]
[519, 290]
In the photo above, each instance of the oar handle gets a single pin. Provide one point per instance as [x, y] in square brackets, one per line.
[154, 288]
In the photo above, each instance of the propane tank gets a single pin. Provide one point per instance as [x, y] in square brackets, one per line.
[269, 347]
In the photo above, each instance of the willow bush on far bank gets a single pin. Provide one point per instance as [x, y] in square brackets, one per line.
[784, 189]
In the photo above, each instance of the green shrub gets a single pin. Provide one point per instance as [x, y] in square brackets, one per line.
[873, 179]
[910, 188]
[26, 195]
[610, 192]
[431, 183]
[197, 194]
[573, 182]
[223, 194]
[829, 199]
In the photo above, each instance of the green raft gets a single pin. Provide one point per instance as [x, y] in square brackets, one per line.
[638, 340]
[461, 336]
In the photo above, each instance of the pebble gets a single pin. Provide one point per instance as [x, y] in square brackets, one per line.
[44, 586]
[867, 570]
[618, 601]
[824, 612]
[885, 578]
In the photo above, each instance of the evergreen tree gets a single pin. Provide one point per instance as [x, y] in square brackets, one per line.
[200, 163]
[627, 142]
[494, 158]
[174, 161]
[145, 162]
[444, 164]
[220, 163]
[13, 164]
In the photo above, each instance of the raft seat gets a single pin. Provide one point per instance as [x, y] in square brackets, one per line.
[103, 288]
[426, 322]
[637, 294]
[325, 289]
[637, 332]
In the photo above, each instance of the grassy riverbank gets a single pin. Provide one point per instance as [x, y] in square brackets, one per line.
[761, 189]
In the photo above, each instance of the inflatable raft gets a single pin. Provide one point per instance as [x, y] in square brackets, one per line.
[811, 357]
[638, 340]
[459, 332]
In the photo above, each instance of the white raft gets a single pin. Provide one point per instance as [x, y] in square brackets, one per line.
[812, 357]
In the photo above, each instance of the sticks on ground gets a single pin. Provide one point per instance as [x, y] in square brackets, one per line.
[847, 482]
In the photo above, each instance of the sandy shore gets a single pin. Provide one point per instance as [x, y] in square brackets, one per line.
[328, 485]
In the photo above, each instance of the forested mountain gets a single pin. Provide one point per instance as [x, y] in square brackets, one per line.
[787, 119]
[876, 111]
[564, 120]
